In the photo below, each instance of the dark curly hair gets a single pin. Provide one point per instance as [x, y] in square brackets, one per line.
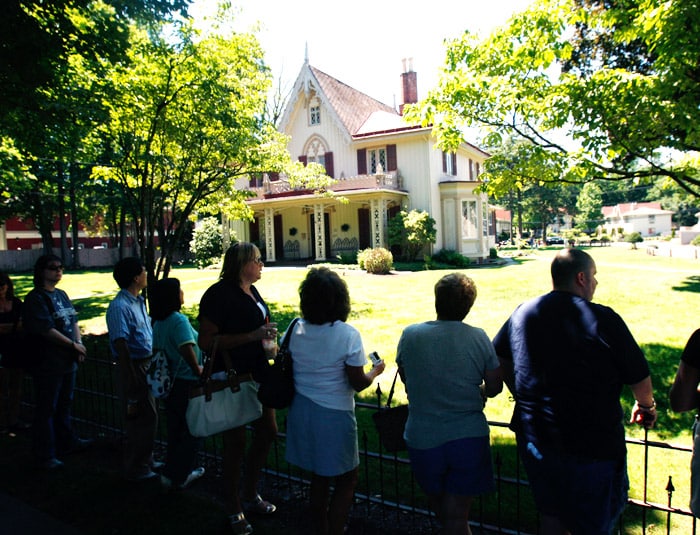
[164, 298]
[324, 297]
[126, 269]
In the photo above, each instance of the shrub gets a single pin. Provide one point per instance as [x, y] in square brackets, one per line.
[378, 261]
[412, 232]
[207, 243]
[493, 253]
[347, 258]
[634, 238]
[451, 258]
[696, 241]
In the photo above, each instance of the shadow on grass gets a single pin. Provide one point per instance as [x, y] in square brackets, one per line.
[690, 284]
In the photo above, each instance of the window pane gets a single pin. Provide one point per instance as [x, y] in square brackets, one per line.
[469, 219]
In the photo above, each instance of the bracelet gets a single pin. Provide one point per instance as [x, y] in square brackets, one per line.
[651, 407]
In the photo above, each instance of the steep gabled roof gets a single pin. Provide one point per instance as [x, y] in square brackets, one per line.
[352, 107]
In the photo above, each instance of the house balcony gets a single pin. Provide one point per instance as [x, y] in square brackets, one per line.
[281, 188]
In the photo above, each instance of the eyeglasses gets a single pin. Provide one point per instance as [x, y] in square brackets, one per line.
[58, 267]
[258, 260]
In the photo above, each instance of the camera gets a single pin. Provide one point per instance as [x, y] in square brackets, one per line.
[374, 357]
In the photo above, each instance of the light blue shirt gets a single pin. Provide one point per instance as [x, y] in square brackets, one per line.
[170, 335]
[127, 319]
[444, 362]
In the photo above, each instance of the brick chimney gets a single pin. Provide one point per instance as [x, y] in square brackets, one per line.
[409, 83]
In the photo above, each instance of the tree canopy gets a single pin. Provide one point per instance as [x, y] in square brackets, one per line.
[600, 90]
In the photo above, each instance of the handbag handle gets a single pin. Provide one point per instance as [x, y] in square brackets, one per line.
[391, 391]
[288, 334]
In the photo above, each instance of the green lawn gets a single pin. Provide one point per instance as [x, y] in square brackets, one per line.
[656, 296]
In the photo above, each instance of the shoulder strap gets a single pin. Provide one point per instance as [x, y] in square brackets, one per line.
[391, 392]
[288, 334]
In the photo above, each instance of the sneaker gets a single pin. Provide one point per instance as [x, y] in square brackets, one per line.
[239, 524]
[142, 477]
[50, 464]
[192, 477]
[157, 465]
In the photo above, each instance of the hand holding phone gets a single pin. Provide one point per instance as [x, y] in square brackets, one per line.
[374, 357]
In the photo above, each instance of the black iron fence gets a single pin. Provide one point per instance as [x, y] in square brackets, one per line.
[386, 489]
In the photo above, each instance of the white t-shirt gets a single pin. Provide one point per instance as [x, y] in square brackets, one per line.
[320, 354]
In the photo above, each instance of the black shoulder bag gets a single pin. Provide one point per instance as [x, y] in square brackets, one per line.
[391, 422]
[277, 387]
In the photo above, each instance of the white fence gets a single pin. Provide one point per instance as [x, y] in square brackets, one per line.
[23, 260]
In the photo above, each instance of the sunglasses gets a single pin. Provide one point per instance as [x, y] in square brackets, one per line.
[59, 267]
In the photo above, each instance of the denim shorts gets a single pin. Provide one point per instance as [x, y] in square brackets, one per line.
[586, 495]
[461, 467]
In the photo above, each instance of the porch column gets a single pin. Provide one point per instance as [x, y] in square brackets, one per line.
[320, 232]
[378, 222]
[270, 235]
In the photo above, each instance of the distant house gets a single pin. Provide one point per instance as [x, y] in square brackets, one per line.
[382, 165]
[647, 218]
[21, 234]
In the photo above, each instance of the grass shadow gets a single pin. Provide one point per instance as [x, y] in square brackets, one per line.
[690, 284]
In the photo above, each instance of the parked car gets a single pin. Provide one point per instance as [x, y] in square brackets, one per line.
[555, 240]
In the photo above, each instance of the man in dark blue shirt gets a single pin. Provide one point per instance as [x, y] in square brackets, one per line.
[566, 360]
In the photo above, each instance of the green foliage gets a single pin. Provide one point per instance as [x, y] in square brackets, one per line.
[347, 258]
[412, 232]
[634, 238]
[207, 243]
[378, 261]
[615, 76]
[696, 241]
[450, 257]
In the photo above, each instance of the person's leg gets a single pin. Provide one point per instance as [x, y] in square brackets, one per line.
[46, 389]
[234, 450]
[4, 398]
[140, 427]
[455, 514]
[318, 493]
[14, 395]
[341, 501]
[264, 433]
[182, 446]
[63, 425]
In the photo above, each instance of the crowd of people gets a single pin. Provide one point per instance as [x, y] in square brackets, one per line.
[564, 359]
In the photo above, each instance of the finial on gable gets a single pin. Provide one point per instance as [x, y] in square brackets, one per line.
[306, 53]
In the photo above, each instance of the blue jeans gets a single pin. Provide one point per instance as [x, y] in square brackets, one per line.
[586, 495]
[52, 429]
[182, 446]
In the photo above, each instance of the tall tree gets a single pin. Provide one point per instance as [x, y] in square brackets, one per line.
[185, 124]
[601, 89]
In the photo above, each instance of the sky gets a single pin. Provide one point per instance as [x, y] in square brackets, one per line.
[363, 42]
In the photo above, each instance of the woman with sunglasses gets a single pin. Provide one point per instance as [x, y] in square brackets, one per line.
[233, 312]
[48, 317]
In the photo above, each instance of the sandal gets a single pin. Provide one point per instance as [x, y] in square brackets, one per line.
[239, 524]
[258, 506]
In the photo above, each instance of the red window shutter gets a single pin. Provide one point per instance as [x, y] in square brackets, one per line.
[444, 162]
[454, 163]
[391, 158]
[302, 159]
[328, 158]
[362, 161]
